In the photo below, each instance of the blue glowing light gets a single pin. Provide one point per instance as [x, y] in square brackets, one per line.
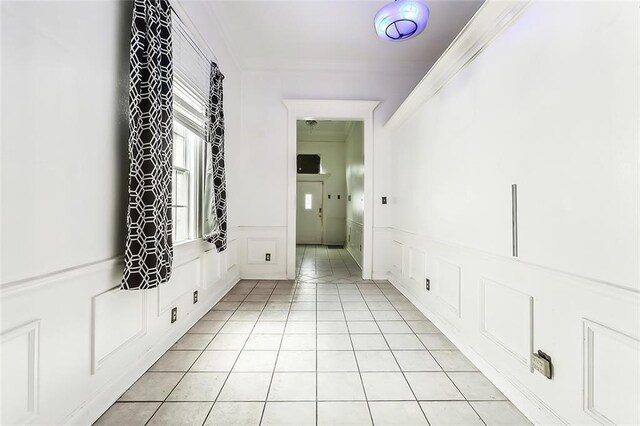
[401, 20]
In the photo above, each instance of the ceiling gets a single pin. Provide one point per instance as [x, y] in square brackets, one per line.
[324, 131]
[333, 35]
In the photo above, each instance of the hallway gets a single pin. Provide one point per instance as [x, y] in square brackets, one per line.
[329, 348]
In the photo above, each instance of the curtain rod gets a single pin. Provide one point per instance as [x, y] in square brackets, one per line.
[191, 40]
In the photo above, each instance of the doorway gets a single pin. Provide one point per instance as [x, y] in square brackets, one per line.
[360, 111]
[309, 213]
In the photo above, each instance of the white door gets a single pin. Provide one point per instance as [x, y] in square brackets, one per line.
[309, 213]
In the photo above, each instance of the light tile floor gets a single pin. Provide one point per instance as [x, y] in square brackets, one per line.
[327, 349]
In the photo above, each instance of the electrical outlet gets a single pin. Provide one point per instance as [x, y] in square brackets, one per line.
[329, 196]
[174, 315]
[384, 200]
[427, 284]
[541, 362]
[348, 197]
[338, 197]
[267, 257]
[195, 297]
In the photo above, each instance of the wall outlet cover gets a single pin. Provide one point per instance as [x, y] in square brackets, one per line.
[384, 200]
[267, 257]
[427, 284]
[195, 297]
[174, 315]
[541, 362]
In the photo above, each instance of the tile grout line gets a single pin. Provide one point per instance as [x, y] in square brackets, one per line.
[275, 365]
[394, 355]
[195, 360]
[239, 353]
[435, 359]
[353, 351]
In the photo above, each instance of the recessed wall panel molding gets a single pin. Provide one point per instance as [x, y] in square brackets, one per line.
[416, 269]
[611, 372]
[111, 333]
[396, 258]
[231, 254]
[212, 266]
[448, 285]
[506, 318]
[20, 351]
[184, 279]
[258, 248]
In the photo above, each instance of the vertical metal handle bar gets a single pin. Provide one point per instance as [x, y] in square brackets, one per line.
[514, 219]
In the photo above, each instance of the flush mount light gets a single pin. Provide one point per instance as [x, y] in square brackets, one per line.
[401, 20]
[311, 123]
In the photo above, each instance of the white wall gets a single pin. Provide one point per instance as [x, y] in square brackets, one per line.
[552, 105]
[71, 341]
[354, 153]
[332, 158]
[262, 174]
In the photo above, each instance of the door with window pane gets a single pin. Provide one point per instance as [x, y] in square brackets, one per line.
[309, 213]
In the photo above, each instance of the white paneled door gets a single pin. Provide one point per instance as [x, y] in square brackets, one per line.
[309, 213]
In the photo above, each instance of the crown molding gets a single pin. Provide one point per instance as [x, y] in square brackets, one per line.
[493, 17]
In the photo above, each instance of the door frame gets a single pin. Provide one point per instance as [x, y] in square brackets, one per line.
[301, 109]
[322, 239]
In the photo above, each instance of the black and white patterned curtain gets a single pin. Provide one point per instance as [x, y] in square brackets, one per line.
[149, 247]
[216, 210]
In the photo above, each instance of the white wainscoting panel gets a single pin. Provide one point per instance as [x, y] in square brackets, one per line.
[416, 270]
[506, 318]
[253, 243]
[257, 248]
[396, 258]
[611, 375]
[119, 318]
[447, 285]
[212, 265]
[184, 279]
[20, 353]
[510, 309]
[20, 361]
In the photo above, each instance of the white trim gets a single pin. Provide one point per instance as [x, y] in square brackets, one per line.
[590, 328]
[32, 330]
[99, 402]
[142, 331]
[527, 402]
[488, 22]
[330, 110]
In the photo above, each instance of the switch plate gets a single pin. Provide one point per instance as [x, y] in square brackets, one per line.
[195, 297]
[174, 315]
[541, 362]
[384, 200]
[427, 284]
[267, 257]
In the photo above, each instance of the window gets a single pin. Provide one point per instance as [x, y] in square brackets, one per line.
[307, 201]
[191, 153]
[186, 182]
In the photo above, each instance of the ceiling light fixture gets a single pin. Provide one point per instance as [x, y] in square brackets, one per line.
[401, 20]
[311, 123]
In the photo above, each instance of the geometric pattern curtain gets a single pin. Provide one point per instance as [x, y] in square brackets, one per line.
[217, 199]
[149, 246]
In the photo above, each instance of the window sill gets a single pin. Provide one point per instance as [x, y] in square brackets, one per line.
[186, 251]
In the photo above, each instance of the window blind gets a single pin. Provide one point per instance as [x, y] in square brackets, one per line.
[190, 80]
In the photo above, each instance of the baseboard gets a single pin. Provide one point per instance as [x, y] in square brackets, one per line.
[525, 400]
[265, 276]
[97, 405]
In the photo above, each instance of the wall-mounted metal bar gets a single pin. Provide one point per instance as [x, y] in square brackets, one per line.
[514, 219]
